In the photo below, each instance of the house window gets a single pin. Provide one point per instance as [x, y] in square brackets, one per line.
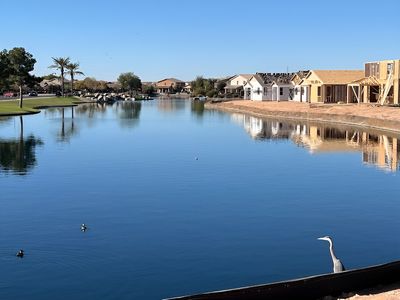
[319, 92]
[265, 91]
[281, 91]
[302, 91]
[258, 91]
[237, 82]
[296, 91]
[390, 68]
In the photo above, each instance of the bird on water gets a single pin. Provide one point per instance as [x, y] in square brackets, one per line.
[83, 227]
[337, 264]
[20, 253]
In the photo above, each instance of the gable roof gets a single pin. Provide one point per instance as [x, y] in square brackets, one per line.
[337, 76]
[171, 79]
[299, 76]
[267, 79]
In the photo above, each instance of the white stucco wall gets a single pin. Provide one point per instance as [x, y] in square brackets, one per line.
[303, 93]
[276, 92]
[237, 80]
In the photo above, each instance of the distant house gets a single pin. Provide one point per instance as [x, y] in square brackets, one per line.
[380, 83]
[187, 88]
[234, 85]
[53, 85]
[330, 86]
[300, 93]
[169, 85]
[269, 87]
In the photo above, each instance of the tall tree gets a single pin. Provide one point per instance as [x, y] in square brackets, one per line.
[21, 63]
[61, 63]
[4, 68]
[130, 82]
[73, 69]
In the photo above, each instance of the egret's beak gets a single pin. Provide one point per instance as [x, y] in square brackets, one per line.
[322, 239]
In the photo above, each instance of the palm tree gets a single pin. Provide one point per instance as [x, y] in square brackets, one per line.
[60, 63]
[73, 69]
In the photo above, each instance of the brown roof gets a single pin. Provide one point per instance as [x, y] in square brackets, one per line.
[171, 79]
[338, 76]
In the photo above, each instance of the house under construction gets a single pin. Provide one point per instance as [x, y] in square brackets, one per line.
[380, 84]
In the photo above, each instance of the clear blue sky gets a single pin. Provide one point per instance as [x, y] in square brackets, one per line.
[182, 39]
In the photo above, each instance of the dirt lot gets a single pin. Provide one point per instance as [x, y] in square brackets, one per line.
[366, 115]
[390, 292]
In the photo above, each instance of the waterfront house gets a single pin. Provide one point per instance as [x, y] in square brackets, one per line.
[380, 83]
[300, 93]
[268, 87]
[283, 88]
[187, 88]
[169, 85]
[53, 85]
[330, 86]
[234, 85]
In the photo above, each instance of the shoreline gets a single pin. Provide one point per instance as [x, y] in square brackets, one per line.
[359, 115]
[34, 106]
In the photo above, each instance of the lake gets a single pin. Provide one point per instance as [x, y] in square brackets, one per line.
[182, 200]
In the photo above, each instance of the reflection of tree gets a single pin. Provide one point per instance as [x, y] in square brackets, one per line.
[128, 112]
[91, 109]
[69, 130]
[171, 105]
[198, 108]
[19, 155]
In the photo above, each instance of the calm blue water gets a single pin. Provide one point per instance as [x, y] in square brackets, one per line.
[249, 210]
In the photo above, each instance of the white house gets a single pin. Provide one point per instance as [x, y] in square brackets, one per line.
[301, 93]
[234, 85]
[269, 87]
[282, 89]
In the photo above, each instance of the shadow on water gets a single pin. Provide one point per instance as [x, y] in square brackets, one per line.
[380, 149]
[18, 155]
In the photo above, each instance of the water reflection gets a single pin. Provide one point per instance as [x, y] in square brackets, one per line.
[378, 149]
[128, 112]
[197, 108]
[68, 128]
[18, 155]
[171, 105]
[91, 110]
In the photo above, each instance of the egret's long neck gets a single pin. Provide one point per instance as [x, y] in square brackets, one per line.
[331, 250]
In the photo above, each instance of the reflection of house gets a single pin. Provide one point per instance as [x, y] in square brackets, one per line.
[380, 83]
[330, 86]
[381, 151]
[300, 93]
[169, 85]
[268, 86]
[377, 149]
[234, 85]
[266, 129]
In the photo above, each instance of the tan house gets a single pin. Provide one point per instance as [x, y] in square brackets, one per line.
[330, 86]
[300, 93]
[169, 85]
[234, 85]
[378, 150]
[380, 83]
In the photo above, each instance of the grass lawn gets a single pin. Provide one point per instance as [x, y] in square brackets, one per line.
[30, 105]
